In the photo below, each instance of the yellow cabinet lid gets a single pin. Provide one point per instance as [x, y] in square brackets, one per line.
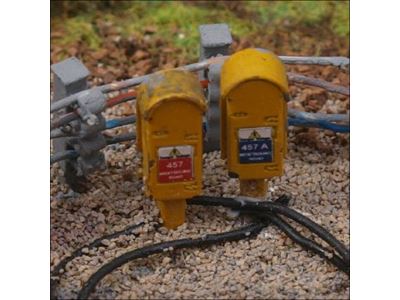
[170, 85]
[253, 64]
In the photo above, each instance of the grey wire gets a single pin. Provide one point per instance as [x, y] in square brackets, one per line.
[68, 154]
[121, 138]
[336, 61]
[345, 118]
[126, 84]
[301, 79]
[57, 133]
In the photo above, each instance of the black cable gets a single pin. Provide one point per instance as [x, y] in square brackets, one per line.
[258, 206]
[207, 240]
[96, 243]
[267, 207]
[308, 244]
[78, 252]
[267, 210]
[185, 243]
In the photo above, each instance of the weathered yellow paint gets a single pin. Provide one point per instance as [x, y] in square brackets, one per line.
[253, 187]
[170, 107]
[253, 90]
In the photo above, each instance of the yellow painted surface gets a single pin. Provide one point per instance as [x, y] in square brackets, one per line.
[253, 88]
[253, 187]
[170, 107]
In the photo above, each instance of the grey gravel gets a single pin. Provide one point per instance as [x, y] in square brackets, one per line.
[268, 266]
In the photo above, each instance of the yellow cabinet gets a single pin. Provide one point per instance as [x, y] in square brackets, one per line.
[170, 107]
[254, 118]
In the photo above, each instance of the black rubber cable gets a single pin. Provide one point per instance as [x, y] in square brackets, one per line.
[268, 215]
[308, 244]
[266, 207]
[96, 243]
[78, 252]
[208, 239]
[296, 236]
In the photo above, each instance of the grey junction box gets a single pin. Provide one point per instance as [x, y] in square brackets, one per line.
[70, 77]
[215, 40]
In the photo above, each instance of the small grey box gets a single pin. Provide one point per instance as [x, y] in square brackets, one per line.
[70, 77]
[214, 39]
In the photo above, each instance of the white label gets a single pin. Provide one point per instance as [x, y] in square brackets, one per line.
[255, 133]
[176, 151]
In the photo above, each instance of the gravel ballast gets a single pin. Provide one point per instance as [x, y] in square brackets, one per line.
[268, 266]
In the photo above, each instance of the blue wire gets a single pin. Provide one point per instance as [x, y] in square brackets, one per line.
[319, 124]
[302, 120]
[120, 122]
[341, 118]
[299, 120]
[112, 123]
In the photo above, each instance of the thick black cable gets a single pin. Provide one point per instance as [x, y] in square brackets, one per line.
[308, 244]
[268, 216]
[79, 252]
[257, 206]
[206, 240]
[296, 236]
[266, 207]
[96, 243]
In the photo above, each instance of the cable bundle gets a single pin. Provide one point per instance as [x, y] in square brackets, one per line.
[265, 213]
[295, 118]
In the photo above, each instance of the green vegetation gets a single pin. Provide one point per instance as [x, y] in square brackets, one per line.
[79, 29]
[305, 13]
[341, 20]
[177, 22]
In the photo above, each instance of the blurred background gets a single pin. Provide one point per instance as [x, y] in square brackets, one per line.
[121, 39]
[131, 38]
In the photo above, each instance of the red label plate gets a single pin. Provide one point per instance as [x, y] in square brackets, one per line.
[175, 164]
[175, 169]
